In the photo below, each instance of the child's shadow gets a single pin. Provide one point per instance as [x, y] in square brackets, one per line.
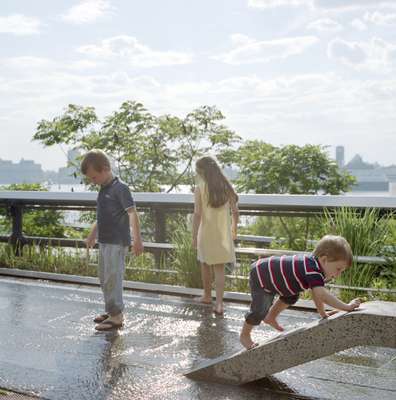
[210, 337]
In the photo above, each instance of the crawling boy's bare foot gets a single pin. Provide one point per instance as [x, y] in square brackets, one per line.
[247, 342]
[274, 323]
[245, 337]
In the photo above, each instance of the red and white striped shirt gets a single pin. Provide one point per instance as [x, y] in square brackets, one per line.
[289, 275]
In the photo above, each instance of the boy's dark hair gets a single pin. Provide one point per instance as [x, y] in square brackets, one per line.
[96, 159]
[336, 248]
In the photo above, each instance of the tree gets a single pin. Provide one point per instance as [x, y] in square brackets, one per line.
[264, 168]
[149, 152]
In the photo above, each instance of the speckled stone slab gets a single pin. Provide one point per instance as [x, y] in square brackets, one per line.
[374, 324]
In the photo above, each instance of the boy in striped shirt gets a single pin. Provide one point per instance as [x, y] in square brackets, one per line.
[287, 276]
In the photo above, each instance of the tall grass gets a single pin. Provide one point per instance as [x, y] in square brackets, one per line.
[75, 261]
[184, 257]
[238, 279]
[48, 259]
[143, 269]
[367, 232]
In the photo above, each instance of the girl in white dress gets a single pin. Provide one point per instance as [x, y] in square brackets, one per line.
[214, 226]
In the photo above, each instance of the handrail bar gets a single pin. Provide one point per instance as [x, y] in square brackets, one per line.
[155, 246]
[280, 202]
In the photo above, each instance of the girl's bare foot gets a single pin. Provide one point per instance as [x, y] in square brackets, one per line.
[247, 342]
[218, 309]
[273, 323]
[203, 300]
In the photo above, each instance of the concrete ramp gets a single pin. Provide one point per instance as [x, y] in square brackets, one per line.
[373, 324]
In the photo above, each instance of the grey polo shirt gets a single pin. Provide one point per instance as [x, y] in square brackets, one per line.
[112, 218]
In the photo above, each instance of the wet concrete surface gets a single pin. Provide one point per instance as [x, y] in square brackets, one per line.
[48, 347]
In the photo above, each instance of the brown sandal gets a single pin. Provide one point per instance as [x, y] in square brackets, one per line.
[101, 318]
[108, 326]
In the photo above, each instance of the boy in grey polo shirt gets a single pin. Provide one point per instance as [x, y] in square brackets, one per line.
[116, 215]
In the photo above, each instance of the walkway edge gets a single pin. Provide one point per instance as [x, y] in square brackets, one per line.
[172, 290]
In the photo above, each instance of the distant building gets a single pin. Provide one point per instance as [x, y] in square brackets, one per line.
[66, 175]
[340, 156]
[26, 171]
[370, 177]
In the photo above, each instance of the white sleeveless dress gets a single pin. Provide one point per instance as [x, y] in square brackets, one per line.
[214, 241]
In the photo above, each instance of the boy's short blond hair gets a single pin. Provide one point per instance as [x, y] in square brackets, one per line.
[336, 248]
[96, 159]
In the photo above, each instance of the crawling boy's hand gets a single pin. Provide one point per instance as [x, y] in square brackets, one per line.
[355, 303]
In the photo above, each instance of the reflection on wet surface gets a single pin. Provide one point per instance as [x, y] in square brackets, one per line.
[49, 347]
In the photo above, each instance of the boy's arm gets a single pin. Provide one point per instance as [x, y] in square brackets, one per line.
[322, 296]
[135, 225]
[197, 216]
[91, 238]
[320, 305]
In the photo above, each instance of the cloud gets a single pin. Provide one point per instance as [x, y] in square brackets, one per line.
[247, 50]
[325, 24]
[358, 24]
[341, 5]
[263, 4]
[335, 5]
[307, 108]
[351, 53]
[129, 49]
[19, 24]
[379, 18]
[88, 11]
[375, 55]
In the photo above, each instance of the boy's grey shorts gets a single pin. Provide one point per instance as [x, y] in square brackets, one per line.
[111, 274]
[262, 300]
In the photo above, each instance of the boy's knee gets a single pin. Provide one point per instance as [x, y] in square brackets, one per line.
[289, 300]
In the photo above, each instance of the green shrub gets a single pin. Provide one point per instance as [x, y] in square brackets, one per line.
[367, 232]
[184, 257]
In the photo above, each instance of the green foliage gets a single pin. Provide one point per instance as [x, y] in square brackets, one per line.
[48, 259]
[75, 261]
[292, 233]
[35, 222]
[238, 280]
[66, 128]
[142, 269]
[264, 168]
[367, 232]
[297, 231]
[184, 257]
[148, 151]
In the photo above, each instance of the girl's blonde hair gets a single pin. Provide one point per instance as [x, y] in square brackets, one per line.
[220, 189]
[336, 248]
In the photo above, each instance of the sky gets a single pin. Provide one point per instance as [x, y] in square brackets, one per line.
[283, 71]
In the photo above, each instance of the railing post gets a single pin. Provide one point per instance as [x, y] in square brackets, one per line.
[17, 239]
[159, 233]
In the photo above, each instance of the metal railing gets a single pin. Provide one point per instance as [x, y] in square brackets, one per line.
[160, 204]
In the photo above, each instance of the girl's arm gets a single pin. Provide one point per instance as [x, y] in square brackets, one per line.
[197, 215]
[235, 218]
